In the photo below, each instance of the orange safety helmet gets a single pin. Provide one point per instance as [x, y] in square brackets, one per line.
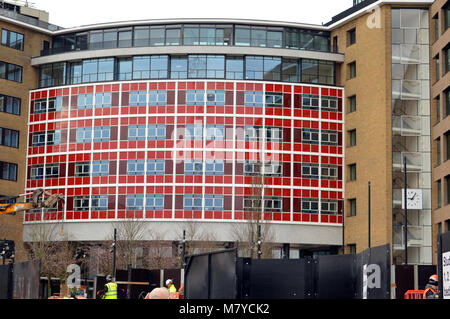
[433, 280]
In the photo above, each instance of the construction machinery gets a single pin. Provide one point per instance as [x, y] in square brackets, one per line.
[36, 202]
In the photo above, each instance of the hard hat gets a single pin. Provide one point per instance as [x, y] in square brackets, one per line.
[168, 281]
[433, 280]
[108, 278]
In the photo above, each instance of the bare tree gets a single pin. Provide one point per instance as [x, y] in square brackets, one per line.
[159, 252]
[130, 232]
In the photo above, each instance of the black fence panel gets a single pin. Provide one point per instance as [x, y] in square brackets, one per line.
[373, 269]
[222, 270]
[277, 279]
[336, 277]
[443, 264]
[26, 280]
[404, 280]
[5, 281]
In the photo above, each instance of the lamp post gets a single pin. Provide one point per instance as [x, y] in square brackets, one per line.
[114, 254]
[405, 198]
[368, 210]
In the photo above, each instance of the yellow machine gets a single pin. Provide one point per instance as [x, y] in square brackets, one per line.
[36, 202]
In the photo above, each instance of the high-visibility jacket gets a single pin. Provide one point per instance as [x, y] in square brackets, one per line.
[430, 293]
[112, 290]
[172, 288]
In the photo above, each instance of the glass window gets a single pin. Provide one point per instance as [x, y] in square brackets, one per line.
[9, 104]
[103, 99]
[306, 40]
[12, 39]
[310, 136]
[253, 98]
[99, 202]
[194, 132]
[136, 132]
[141, 36]
[102, 133]
[197, 66]
[106, 69]
[156, 132]
[81, 203]
[272, 68]
[136, 167]
[141, 67]
[96, 40]
[85, 101]
[215, 97]
[310, 170]
[235, 68]
[9, 137]
[274, 99]
[215, 132]
[326, 72]
[82, 169]
[208, 36]
[193, 202]
[178, 68]
[135, 202]
[156, 36]
[291, 70]
[100, 168]
[155, 167]
[193, 167]
[195, 97]
[159, 65]
[215, 66]
[8, 171]
[124, 69]
[191, 36]
[292, 39]
[213, 202]
[138, 98]
[310, 71]
[258, 38]
[157, 97]
[90, 70]
[154, 202]
[275, 39]
[109, 39]
[214, 167]
[75, 72]
[172, 36]
[254, 66]
[274, 134]
[242, 36]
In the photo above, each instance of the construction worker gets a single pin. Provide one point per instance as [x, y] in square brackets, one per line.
[170, 286]
[110, 290]
[431, 289]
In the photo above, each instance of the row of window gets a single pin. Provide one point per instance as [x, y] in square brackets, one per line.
[9, 71]
[190, 167]
[188, 67]
[192, 34]
[192, 97]
[196, 132]
[198, 202]
[12, 39]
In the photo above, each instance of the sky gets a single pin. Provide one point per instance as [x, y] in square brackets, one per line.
[71, 13]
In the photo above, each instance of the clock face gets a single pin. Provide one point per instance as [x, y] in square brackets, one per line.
[414, 199]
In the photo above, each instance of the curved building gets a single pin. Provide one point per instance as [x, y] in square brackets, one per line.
[195, 120]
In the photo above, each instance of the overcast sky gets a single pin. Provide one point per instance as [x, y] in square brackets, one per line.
[71, 13]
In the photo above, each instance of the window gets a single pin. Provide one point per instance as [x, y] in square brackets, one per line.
[103, 100]
[310, 136]
[135, 202]
[438, 109]
[438, 68]
[38, 138]
[253, 133]
[85, 101]
[352, 172]
[351, 37]
[10, 72]
[193, 167]
[352, 207]
[100, 168]
[253, 98]
[156, 132]
[84, 134]
[9, 104]
[9, 137]
[273, 169]
[99, 202]
[194, 132]
[447, 102]
[439, 193]
[178, 67]
[136, 132]
[329, 207]
[209, 66]
[252, 168]
[447, 144]
[447, 182]
[274, 99]
[272, 204]
[215, 97]
[82, 169]
[37, 172]
[12, 39]
[102, 133]
[52, 171]
[352, 137]
[8, 171]
[310, 170]
[157, 97]
[193, 202]
[154, 202]
[274, 134]
[252, 203]
[447, 59]
[235, 68]
[195, 97]
[352, 104]
[156, 36]
[215, 132]
[329, 172]
[138, 98]
[155, 167]
[438, 151]
[81, 203]
[213, 202]
[436, 27]
[310, 206]
[310, 101]
[214, 167]
[329, 103]
[136, 167]
[351, 70]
